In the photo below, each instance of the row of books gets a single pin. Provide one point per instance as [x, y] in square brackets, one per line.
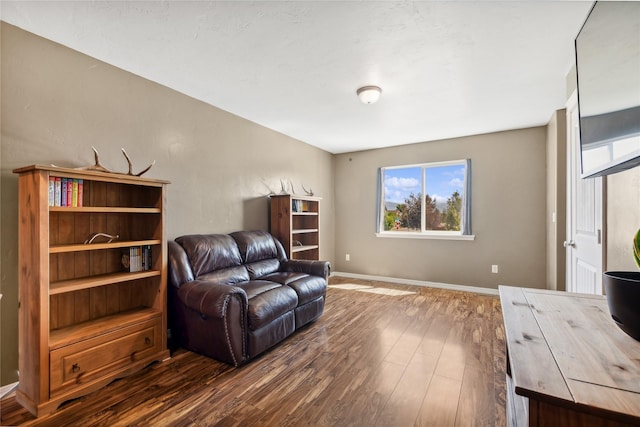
[298, 205]
[65, 192]
[136, 258]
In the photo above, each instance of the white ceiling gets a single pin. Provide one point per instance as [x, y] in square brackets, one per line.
[447, 69]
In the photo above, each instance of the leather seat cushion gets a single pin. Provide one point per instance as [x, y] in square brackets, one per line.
[260, 269]
[267, 301]
[227, 276]
[308, 288]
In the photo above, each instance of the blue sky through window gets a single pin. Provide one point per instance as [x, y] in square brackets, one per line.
[441, 182]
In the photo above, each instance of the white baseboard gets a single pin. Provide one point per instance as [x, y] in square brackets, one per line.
[6, 389]
[464, 288]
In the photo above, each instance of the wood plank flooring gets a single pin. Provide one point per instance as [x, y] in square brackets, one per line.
[431, 358]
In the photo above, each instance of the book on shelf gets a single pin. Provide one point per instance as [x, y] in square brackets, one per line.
[296, 205]
[136, 258]
[147, 257]
[58, 189]
[74, 193]
[69, 192]
[52, 191]
[80, 192]
[63, 192]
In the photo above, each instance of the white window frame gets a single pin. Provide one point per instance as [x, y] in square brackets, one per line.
[425, 234]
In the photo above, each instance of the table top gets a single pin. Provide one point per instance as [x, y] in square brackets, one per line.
[565, 349]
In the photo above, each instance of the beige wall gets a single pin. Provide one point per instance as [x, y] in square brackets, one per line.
[508, 218]
[57, 103]
[623, 219]
[556, 200]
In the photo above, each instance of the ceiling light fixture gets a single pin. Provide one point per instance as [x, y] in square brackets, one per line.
[369, 94]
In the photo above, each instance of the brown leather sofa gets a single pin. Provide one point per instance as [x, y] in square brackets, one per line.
[233, 296]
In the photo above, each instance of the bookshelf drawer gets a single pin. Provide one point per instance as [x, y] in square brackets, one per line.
[83, 362]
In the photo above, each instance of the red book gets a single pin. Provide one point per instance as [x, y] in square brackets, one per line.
[69, 192]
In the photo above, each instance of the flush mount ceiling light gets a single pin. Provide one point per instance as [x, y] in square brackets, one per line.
[369, 94]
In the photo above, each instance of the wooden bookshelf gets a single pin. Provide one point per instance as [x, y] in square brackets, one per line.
[83, 321]
[295, 221]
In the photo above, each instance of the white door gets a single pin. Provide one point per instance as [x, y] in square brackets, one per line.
[584, 216]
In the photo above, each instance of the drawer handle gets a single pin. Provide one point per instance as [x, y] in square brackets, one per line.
[75, 368]
[147, 340]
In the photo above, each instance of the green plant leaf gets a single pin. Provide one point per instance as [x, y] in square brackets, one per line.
[636, 248]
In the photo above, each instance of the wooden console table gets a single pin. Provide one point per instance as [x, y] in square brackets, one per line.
[568, 364]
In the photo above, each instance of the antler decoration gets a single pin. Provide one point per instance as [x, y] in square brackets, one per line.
[131, 166]
[98, 166]
[309, 191]
[283, 187]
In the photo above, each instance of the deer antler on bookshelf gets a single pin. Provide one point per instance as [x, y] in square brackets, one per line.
[93, 236]
[131, 165]
[98, 166]
[283, 187]
[309, 191]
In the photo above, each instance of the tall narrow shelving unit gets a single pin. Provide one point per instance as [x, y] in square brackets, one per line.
[295, 221]
[83, 321]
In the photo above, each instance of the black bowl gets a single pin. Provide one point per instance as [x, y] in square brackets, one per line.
[623, 298]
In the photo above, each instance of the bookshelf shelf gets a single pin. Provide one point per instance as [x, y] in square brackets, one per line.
[303, 248]
[295, 221]
[83, 320]
[103, 209]
[57, 249]
[64, 286]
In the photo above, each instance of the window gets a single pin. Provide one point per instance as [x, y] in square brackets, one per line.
[443, 212]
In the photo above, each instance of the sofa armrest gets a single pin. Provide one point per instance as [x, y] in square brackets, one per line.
[179, 267]
[314, 268]
[211, 319]
[210, 299]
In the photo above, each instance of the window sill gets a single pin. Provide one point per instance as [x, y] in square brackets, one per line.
[434, 236]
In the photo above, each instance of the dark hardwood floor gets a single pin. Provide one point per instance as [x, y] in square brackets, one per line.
[432, 357]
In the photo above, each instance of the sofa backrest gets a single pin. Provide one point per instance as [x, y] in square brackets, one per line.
[210, 253]
[259, 252]
[224, 258]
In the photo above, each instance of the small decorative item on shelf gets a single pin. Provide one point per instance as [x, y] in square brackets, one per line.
[93, 236]
[623, 294]
[286, 187]
[309, 191]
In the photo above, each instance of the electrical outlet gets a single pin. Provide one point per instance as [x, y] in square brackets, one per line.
[347, 257]
[494, 268]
